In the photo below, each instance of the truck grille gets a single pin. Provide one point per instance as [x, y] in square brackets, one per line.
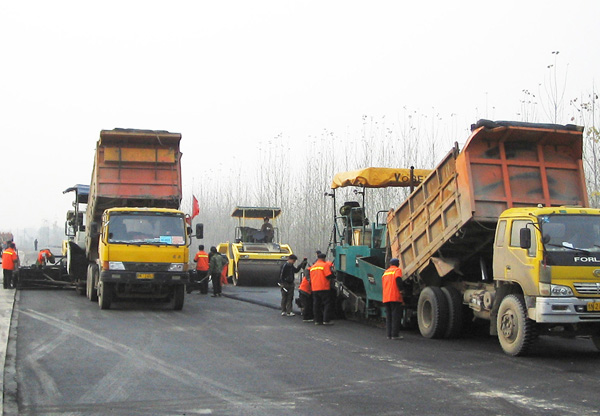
[587, 288]
[147, 267]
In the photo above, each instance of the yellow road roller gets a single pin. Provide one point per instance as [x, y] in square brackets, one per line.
[256, 254]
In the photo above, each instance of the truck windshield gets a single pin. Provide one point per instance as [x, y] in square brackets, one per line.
[568, 236]
[145, 228]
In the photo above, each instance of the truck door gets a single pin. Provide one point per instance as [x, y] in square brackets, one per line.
[520, 263]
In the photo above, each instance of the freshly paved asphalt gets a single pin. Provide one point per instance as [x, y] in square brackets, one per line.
[268, 297]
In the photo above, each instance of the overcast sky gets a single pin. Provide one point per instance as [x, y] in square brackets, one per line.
[229, 74]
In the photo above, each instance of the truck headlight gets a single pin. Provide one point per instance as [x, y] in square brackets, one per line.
[176, 267]
[559, 290]
[116, 265]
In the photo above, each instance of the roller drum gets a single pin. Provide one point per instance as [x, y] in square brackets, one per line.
[258, 272]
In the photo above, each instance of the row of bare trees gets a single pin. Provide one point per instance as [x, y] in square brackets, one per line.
[295, 173]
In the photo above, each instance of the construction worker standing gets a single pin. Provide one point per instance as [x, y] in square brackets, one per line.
[286, 282]
[392, 298]
[10, 260]
[215, 269]
[306, 299]
[201, 260]
[320, 282]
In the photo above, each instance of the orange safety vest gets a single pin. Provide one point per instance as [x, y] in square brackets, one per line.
[202, 259]
[9, 258]
[318, 275]
[391, 293]
[41, 256]
[305, 285]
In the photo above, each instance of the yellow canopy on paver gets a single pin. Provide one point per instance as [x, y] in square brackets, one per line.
[379, 177]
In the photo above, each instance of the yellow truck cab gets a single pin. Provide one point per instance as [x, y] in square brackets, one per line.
[550, 256]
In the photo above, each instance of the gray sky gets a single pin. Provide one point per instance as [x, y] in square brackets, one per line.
[229, 74]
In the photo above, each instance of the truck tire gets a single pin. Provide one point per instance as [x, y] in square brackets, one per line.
[516, 332]
[455, 312]
[178, 297]
[105, 295]
[92, 282]
[92, 278]
[432, 312]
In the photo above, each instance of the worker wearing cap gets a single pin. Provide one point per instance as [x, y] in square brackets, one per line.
[321, 275]
[392, 298]
[10, 260]
[201, 260]
[44, 256]
[286, 282]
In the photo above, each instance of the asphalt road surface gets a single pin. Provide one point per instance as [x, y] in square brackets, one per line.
[224, 356]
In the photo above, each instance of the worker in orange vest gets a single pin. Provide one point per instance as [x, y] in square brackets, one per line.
[321, 275]
[201, 280]
[392, 298]
[10, 261]
[44, 256]
[306, 298]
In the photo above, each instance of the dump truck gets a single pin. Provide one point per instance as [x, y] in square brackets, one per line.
[255, 255]
[501, 232]
[136, 239]
[359, 245]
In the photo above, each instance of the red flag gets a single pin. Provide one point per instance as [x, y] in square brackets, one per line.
[195, 207]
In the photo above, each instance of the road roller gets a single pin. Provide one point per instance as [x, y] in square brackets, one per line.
[256, 254]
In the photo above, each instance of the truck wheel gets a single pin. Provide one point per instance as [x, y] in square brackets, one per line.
[432, 312]
[105, 295]
[178, 297]
[455, 312]
[92, 278]
[516, 332]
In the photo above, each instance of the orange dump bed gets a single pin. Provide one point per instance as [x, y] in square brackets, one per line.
[135, 168]
[453, 213]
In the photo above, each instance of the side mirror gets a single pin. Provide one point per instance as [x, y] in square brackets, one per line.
[525, 237]
[69, 231]
[199, 231]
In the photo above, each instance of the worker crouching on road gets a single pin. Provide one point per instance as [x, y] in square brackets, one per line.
[10, 261]
[44, 257]
[286, 282]
[321, 275]
[392, 298]
[306, 298]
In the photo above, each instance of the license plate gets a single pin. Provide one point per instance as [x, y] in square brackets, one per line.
[145, 275]
[593, 307]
